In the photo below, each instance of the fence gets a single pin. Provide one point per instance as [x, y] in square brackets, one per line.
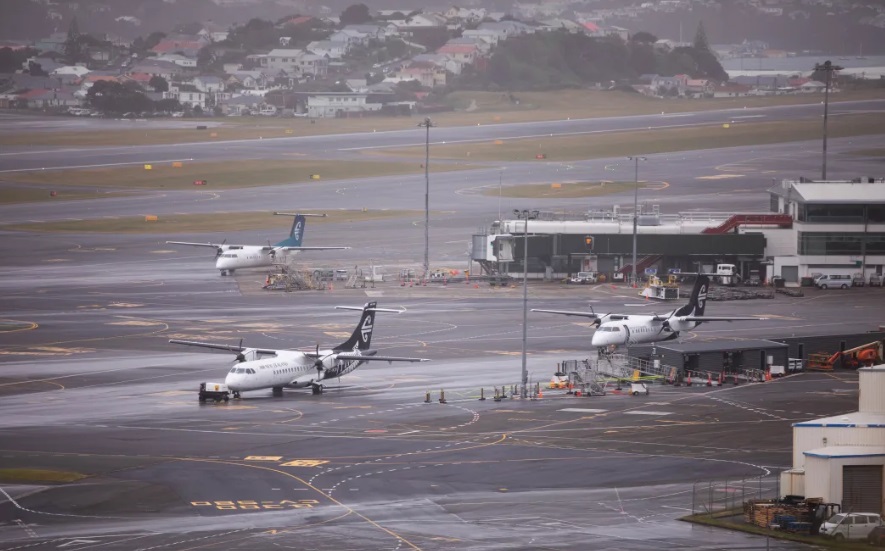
[723, 495]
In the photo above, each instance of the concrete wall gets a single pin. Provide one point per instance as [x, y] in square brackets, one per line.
[811, 438]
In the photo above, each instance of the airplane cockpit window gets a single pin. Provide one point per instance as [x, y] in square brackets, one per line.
[250, 371]
[233, 370]
[616, 329]
[240, 370]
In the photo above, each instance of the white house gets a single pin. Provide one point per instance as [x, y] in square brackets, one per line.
[208, 84]
[178, 59]
[332, 49]
[332, 104]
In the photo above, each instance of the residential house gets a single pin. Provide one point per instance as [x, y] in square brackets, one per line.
[813, 86]
[250, 80]
[427, 74]
[338, 104]
[47, 99]
[483, 46]
[241, 105]
[619, 32]
[158, 68]
[699, 87]
[178, 59]
[358, 85]
[296, 21]
[426, 20]
[328, 48]
[208, 84]
[371, 30]
[463, 53]
[280, 59]
[187, 95]
[213, 32]
[76, 71]
[730, 90]
[351, 37]
[441, 60]
[230, 68]
[470, 15]
[47, 64]
[674, 85]
[185, 45]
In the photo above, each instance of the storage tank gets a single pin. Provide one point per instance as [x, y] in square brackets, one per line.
[872, 389]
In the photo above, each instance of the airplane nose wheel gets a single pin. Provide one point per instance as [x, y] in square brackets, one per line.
[236, 395]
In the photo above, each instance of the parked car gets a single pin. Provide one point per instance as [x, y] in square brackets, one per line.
[857, 280]
[875, 280]
[583, 277]
[877, 536]
[833, 281]
[851, 526]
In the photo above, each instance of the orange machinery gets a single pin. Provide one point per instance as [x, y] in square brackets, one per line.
[859, 356]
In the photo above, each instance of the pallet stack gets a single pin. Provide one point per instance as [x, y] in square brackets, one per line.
[762, 512]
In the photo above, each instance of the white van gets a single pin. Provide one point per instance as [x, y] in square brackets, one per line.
[850, 526]
[833, 281]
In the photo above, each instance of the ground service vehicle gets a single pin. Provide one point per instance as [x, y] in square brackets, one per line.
[214, 391]
[583, 277]
[857, 280]
[875, 280]
[851, 526]
[833, 281]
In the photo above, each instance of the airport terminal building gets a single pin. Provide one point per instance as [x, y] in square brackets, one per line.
[812, 227]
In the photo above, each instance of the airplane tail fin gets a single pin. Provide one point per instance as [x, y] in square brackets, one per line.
[362, 335]
[698, 300]
[296, 234]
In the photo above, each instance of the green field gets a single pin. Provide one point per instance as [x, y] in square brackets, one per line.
[646, 142]
[223, 175]
[209, 223]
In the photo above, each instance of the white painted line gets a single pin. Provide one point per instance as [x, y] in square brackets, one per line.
[104, 165]
[648, 412]
[750, 117]
[581, 410]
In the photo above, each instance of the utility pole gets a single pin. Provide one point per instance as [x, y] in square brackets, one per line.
[426, 123]
[635, 160]
[827, 67]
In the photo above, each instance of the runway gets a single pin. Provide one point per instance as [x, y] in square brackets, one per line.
[91, 386]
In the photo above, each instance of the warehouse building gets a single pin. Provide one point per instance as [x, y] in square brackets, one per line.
[841, 459]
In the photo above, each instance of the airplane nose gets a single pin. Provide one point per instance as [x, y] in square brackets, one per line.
[233, 381]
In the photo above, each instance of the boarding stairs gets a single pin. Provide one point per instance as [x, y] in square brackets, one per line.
[782, 220]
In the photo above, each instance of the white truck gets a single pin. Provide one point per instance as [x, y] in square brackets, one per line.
[214, 391]
[583, 277]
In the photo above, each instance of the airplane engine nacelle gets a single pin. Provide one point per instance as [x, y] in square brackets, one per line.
[677, 325]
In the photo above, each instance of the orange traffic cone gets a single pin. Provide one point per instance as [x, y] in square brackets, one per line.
[709, 379]
[688, 379]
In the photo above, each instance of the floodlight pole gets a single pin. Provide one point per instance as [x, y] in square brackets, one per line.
[427, 124]
[635, 160]
[525, 215]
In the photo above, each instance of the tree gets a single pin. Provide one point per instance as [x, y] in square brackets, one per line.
[36, 70]
[158, 83]
[701, 44]
[355, 15]
[644, 37]
[113, 97]
[73, 47]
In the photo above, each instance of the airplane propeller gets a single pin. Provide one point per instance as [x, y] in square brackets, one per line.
[318, 362]
[240, 356]
[220, 249]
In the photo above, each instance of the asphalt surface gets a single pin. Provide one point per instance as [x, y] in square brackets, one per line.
[90, 385]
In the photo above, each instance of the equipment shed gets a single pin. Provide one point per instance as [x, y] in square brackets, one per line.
[717, 356]
[850, 475]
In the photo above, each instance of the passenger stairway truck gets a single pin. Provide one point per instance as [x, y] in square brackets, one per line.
[867, 354]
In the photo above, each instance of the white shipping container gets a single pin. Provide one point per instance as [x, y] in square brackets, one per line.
[793, 482]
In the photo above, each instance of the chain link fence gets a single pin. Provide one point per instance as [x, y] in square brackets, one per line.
[709, 497]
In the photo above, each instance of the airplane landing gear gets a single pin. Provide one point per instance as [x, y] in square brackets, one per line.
[317, 388]
[236, 395]
[277, 391]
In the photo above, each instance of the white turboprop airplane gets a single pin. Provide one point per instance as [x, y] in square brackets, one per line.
[261, 368]
[231, 257]
[627, 329]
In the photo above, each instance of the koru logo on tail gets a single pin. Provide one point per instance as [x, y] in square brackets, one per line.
[702, 296]
[366, 329]
[298, 228]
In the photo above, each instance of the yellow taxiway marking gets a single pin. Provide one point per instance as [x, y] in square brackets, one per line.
[136, 322]
[304, 463]
[263, 458]
[719, 177]
[18, 326]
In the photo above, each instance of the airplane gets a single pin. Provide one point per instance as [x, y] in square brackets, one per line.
[261, 368]
[231, 257]
[628, 329]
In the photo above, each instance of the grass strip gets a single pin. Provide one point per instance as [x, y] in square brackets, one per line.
[647, 142]
[224, 174]
[208, 223]
[37, 476]
[719, 520]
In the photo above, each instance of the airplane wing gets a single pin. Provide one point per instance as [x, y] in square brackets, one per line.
[720, 318]
[227, 347]
[568, 313]
[312, 248]
[367, 358]
[213, 245]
